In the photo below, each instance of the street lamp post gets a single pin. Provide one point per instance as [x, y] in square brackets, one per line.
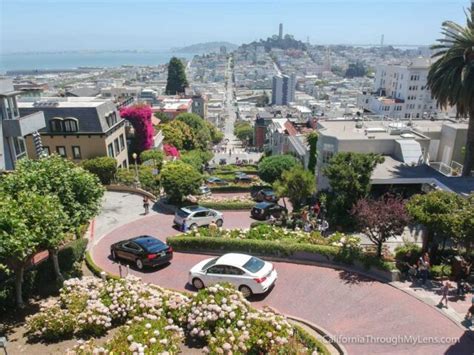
[137, 179]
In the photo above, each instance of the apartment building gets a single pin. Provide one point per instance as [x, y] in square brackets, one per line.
[283, 89]
[172, 106]
[79, 128]
[416, 152]
[14, 126]
[401, 91]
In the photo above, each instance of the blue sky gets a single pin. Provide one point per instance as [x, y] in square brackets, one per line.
[50, 25]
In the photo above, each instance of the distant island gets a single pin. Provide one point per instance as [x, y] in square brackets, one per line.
[207, 47]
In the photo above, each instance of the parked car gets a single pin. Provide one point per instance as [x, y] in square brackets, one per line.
[242, 177]
[142, 251]
[222, 161]
[250, 275]
[197, 216]
[263, 210]
[266, 195]
[216, 181]
[204, 190]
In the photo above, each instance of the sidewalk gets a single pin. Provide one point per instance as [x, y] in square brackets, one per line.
[431, 295]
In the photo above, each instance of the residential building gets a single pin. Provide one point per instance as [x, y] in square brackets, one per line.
[418, 152]
[172, 106]
[14, 126]
[401, 91]
[79, 128]
[82, 92]
[199, 105]
[283, 89]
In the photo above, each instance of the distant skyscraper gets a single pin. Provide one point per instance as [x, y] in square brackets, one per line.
[280, 32]
[382, 40]
[283, 89]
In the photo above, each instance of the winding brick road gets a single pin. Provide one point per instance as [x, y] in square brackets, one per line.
[343, 303]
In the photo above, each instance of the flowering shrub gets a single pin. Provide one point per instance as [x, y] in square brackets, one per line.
[156, 321]
[222, 316]
[140, 118]
[280, 235]
[51, 323]
[227, 203]
[171, 151]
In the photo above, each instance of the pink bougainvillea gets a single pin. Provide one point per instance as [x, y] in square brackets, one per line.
[140, 118]
[171, 151]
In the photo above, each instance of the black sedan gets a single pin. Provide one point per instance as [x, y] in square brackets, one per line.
[264, 210]
[142, 251]
[266, 195]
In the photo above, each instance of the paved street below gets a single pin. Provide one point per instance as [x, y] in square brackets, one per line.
[344, 303]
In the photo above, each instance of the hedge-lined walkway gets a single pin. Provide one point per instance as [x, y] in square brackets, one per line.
[343, 303]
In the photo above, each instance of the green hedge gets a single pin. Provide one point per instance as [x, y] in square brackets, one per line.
[96, 270]
[311, 342]
[228, 205]
[275, 248]
[41, 278]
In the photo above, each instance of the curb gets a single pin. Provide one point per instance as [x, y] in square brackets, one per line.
[333, 266]
[326, 337]
[448, 316]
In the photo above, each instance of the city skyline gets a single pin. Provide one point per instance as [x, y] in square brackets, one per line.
[105, 25]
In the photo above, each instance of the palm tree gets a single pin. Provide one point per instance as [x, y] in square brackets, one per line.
[451, 77]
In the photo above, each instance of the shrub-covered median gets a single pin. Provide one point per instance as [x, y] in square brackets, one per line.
[274, 241]
[154, 320]
[227, 203]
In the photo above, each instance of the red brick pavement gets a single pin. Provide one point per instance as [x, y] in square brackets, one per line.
[341, 302]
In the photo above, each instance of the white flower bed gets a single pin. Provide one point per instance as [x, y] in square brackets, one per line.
[154, 320]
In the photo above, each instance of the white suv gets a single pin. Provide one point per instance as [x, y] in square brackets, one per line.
[197, 216]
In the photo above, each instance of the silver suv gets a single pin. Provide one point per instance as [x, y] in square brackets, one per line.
[197, 216]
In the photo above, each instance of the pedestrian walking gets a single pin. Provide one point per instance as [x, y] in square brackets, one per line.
[469, 315]
[423, 267]
[146, 204]
[445, 291]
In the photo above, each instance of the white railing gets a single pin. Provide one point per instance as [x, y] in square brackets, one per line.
[455, 169]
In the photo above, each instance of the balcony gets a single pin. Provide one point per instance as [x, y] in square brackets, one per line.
[454, 169]
[24, 125]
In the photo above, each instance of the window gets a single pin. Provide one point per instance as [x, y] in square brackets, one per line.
[20, 148]
[132, 246]
[116, 145]
[232, 270]
[61, 150]
[200, 214]
[217, 269]
[76, 152]
[70, 125]
[110, 150]
[122, 142]
[56, 125]
[328, 152]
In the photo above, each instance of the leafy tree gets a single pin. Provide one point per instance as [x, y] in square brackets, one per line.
[104, 167]
[179, 179]
[297, 184]
[381, 219]
[451, 77]
[140, 118]
[78, 191]
[178, 134]
[244, 132]
[197, 158]
[28, 223]
[357, 69]
[163, 117]
[155, 156]
[349, 176]
[312, 139]
[198, 127]
[444, 215]
[271, 168]
[216, 135]
[177, 81]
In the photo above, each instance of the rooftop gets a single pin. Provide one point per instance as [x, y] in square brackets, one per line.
[373, 130]
[61, 102]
